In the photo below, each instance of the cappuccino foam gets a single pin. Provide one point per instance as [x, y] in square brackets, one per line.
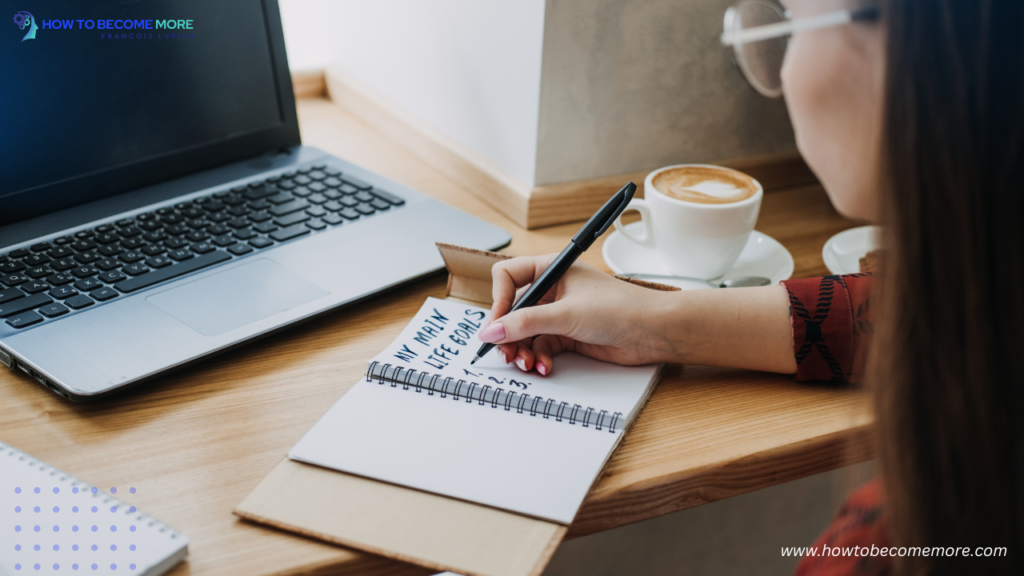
[704, 185]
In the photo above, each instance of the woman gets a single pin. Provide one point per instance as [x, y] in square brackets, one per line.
[913, 118]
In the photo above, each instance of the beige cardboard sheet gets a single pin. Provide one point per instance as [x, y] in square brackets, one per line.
[407, 525]
[469, 274]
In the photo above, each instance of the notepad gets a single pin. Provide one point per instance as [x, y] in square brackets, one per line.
[424, 418]
[52, 522]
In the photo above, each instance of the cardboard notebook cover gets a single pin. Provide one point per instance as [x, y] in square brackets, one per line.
[401, 523]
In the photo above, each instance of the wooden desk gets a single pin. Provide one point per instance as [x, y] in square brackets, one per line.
[196, 442]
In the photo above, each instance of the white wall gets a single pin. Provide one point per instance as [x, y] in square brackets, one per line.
[471, 69]
[308, 35]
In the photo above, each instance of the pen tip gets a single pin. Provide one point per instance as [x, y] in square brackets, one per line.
[474, 360]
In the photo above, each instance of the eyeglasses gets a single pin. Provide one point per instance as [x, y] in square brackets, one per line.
[758, 33]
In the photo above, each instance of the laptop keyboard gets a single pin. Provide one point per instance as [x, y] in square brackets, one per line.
[50, 279]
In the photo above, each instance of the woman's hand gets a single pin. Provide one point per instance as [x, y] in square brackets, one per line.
[587, 311]
[597, 315]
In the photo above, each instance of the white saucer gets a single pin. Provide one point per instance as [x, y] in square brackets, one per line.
[842, 252]
[763, 256]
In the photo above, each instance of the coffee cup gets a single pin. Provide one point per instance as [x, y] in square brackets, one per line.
[696, 217]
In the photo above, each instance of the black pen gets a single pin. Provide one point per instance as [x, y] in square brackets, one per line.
[591, 231]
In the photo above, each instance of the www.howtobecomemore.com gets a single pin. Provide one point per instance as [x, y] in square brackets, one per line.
[925, 551]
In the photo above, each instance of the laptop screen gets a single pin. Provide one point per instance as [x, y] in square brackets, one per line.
[104, 96]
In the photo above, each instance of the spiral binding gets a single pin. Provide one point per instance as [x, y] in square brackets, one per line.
[495, 397]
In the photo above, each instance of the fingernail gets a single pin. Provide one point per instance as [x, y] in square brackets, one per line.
[542, 369]
[493, 333]
[521, 363]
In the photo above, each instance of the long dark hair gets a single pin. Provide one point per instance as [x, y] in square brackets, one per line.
[948, 362]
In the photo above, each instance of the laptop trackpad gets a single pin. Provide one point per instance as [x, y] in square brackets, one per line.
[237, 297]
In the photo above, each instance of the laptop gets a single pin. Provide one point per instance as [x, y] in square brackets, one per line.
[157, 205]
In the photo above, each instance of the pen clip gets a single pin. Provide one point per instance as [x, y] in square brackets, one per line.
[618, 211]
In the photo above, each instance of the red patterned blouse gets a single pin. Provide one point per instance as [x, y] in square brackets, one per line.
[832, 325]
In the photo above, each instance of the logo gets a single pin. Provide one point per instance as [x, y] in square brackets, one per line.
[119, 29]
[25, 20]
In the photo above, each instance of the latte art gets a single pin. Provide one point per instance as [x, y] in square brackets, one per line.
[705, 185]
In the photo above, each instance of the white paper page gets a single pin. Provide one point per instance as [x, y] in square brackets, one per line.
[442, 339]
[54, 521]
[512, 461]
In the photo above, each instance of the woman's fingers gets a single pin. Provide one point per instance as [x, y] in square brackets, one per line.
[555, 318]
[508, 352]
[544, 350]
[539, 355]
[524, 357]
[510, 275]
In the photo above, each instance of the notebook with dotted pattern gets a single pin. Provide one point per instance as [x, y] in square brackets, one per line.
[54, 523]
